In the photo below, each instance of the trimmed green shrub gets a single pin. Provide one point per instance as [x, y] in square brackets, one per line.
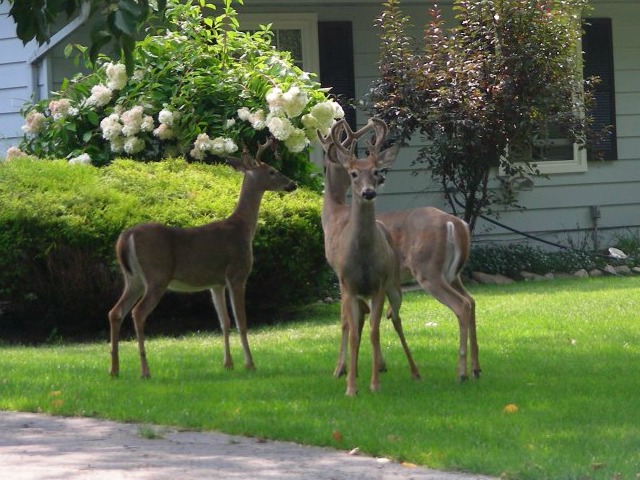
[59, 223]
[510, 260]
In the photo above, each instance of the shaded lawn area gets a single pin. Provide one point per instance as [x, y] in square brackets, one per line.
[562, 356]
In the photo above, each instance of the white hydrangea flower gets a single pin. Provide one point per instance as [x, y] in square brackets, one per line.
[323, 113]
[197, 153]
[111, 127]
[100, 96]
[201, 146]
[230, 146]
[117, 144]
[116, 75]
[279, 127]
[244, 113]
[217, 146]
[132, 121]
[147, 124]
[34, 122]
[133, 145]
[164, 132]
[230, 122]
[275, 100]
[309, 121]
[297, 140]
[167, 117]
[82, 159]
[294, 101]
[257, 120]
[59, 108]
[14, 152]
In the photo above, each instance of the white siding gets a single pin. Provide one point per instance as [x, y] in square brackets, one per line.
[554, 207]
[15, 80]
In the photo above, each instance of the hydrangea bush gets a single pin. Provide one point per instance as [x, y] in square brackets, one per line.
[201, 88]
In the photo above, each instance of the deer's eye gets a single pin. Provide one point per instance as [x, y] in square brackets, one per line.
[272, 173]
[353, 174]
[376, 173]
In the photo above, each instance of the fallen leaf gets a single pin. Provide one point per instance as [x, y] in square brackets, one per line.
[408, 465]
[510, 408]
[598, 466]
[337, 436]
[383, 460]
[354, 451]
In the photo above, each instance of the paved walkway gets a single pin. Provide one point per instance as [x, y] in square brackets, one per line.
[42, 447]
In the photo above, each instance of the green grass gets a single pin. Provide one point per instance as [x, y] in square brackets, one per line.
[566, 353]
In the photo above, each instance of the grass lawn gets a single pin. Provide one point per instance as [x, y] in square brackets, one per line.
[563, 355]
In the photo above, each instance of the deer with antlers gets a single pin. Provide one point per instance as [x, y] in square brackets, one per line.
[217, 256]
[359, 249]
[433, 247]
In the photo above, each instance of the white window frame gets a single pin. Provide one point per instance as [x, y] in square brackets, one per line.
[577, 164]
[307, 23]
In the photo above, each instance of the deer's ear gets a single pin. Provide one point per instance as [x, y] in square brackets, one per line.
[236, 163]
[387, 157]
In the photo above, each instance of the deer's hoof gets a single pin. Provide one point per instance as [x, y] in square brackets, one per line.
[476, 373]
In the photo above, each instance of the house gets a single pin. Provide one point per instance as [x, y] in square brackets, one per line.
[584, 201]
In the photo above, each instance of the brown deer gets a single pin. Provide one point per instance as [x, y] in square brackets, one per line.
[359, 249]
[433, 246]
[217, 256]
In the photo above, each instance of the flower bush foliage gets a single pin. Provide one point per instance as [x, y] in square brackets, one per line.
[201, 87]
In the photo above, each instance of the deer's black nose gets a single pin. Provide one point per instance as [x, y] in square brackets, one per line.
[291, 187]
[369, 194]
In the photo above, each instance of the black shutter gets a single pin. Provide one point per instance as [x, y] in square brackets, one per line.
[597, 44]
[335, 41]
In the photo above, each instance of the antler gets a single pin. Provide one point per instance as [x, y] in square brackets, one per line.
[381, 130]
[261, 148]
[347, 146]
[250, 161]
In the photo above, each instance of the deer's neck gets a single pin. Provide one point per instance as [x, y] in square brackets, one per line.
[362, 224]
[334, 200]
[248, 207]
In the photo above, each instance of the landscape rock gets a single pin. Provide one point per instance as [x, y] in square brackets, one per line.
[622, 270]
[529, 276]
[582, 273]
[491, 279]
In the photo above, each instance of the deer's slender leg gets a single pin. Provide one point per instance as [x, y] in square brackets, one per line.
[344, 324]
[352, 309]
[473, 338]
[395, 300]
[140, 312]
[377, 304]
[220, 304]
[462, 307]
[237, 294]
[131, 294]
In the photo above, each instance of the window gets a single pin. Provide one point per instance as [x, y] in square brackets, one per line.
[293, 32]
[553, 152]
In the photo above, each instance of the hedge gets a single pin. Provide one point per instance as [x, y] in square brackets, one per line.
[59, 222]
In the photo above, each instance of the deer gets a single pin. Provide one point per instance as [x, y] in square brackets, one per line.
[433, 247]
[217, 256]
[359, 249]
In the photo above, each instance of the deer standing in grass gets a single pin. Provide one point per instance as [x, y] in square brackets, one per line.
[359, 249]
[217, 256]
[433, 246]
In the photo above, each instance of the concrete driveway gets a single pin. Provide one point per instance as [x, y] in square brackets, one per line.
[43, 447]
